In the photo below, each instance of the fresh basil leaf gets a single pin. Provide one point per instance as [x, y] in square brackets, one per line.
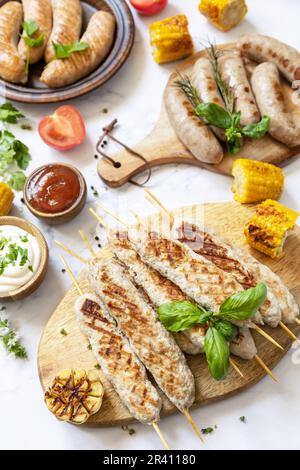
[64, 51]
[181, 315]
[227, 329]
[15, 179]
[34, 42]
[258, 130]
[244, 304]
[234, 139]
[214, 115]
[217, 353]
[8, 113]
[30, 27]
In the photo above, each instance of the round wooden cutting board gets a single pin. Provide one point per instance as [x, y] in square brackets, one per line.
[58, 352]
[162, 146]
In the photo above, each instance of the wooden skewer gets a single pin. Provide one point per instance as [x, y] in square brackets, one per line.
[235, 367]
[289, 332]
[69, 271]
[265, 367]
[193, 424]
[160, 204]
[100, 220]
[112, 214]
[268, 337]
[163, 440]
[71, 252]
[87, 243]
[297, 321]
[137, 218]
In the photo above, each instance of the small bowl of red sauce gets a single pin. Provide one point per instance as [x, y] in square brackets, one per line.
[55, 192]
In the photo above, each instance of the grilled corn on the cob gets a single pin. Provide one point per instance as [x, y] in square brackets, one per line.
[269, 228]
[170, 39]
[6, 199]
[224, 14]
[75, 395]
[256, 181]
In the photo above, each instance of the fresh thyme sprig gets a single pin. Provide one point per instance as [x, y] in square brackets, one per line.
[10, 340]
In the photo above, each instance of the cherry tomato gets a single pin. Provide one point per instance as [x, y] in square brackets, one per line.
[64, 129]
[149, 7]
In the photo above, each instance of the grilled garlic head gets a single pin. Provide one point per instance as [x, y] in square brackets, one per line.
[75, 395]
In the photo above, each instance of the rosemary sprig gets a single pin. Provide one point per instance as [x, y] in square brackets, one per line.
[9, 340]
[185, 85]
[225, 91]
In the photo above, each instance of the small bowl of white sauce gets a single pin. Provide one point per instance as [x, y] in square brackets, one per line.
[23, 258]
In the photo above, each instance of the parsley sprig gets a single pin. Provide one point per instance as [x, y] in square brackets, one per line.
[10, 340]
[14, 155]
[64, 51]
[31, 39]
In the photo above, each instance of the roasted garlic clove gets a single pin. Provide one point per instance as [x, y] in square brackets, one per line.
[75, 395]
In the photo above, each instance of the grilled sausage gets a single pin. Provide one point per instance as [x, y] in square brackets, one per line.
[118, 362]
[271, 102]
[234, 75]
[190, 129]
[67, 24]
[99, 35]
[266, 49]
[158, 289]
[147, 336]
[204, 82]
[243, 345]
[41, 12]
[228, 259]
[12, 67]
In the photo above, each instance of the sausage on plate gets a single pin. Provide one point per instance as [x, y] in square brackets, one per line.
[67, 24]
[266, 49]
[39, 11]
[190, 129]
[271, 102]
[12, 67]
[234, 75]
[99, 36]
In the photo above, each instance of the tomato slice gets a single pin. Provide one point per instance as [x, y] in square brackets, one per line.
[149, 7]
[64, 129]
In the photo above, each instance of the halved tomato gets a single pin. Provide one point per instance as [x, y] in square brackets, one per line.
[64, 129]
[149, 7]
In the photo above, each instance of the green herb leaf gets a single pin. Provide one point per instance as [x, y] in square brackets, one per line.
[234, 135]
[64, 51]
[214, 115]
[16, 180]
[181, 315]
[243, 419]
[258, 130]
[34, 42]
[30, 27]
[9, 340]
[217, 353]
[227, 329]
[22, 155]
[208, 430]
[244, 304]
[8, 113]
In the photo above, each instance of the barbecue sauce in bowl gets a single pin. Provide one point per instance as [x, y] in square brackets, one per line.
[55, 191]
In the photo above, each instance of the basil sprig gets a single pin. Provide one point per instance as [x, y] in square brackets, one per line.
[181, 315]
[216, 116]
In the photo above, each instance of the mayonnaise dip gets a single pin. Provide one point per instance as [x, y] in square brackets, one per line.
[20, 256]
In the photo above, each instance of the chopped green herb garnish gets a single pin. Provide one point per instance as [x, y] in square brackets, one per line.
[9, 340]
[208, 430]
[63, 332]
[30, 268]
[243, 419]
[130, 431]
[97, 366]
[89, 347]
[26, 127]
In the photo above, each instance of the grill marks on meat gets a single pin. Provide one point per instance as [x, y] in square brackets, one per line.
[228, 259]
[118, 362]
[139, 323]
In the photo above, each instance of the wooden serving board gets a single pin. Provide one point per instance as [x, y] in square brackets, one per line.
[162, 146]
[58, 352]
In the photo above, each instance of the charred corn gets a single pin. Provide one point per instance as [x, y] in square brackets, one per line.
[170, 39]
[75, 395]
[6, 199]
[256, 181]
[223, 14]
[269, 228]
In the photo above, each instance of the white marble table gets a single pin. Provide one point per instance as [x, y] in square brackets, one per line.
[272, 411]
